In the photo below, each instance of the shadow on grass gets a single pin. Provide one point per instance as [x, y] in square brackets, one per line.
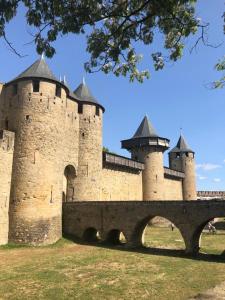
[220, 258]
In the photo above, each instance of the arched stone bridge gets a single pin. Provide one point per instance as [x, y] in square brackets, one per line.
[84, 219]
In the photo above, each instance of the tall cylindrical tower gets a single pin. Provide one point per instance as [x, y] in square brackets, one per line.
[88, 180]
[34, 107]
[181, 158]
[147, 147]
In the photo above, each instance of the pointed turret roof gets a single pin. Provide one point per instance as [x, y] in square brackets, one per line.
[145, 129]
[83, 93]
[145, 136]
[38, 69]
[181, 146]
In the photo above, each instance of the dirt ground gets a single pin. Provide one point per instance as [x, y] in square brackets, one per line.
[216, 293]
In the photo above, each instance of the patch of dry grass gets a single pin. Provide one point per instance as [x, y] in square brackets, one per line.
[72, 271]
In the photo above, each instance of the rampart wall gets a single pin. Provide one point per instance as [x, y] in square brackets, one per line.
[119, 184]
[6, 159]
[173, 189]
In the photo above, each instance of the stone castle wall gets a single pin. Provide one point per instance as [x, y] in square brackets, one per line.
[173, 189]
[88, 180]
[46, 141]
[119, 184]
[189, 182]
[6, 159]
[153, 175]
[185, 163]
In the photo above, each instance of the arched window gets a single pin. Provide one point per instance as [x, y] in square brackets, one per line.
[69, 186]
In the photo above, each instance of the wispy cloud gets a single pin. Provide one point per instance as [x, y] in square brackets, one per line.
[200, 177]
[216, 179]
[207, 166]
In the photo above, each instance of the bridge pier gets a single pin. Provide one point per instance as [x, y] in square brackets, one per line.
[191, 237]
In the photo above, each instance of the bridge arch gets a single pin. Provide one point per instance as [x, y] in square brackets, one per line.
[116, 237]
[138, 235]
[197, 239]
[91, 235]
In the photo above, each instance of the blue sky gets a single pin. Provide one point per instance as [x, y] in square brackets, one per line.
[173, 98]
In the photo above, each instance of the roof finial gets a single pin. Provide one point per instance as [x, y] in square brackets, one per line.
[84, 81]
[181, 130]
[64, 79]
[43, 56]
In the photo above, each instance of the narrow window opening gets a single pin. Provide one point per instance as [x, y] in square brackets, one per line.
[97, 111]
[58, 91]
[15, 89]
[80, 108]
[36, 86]
[6, 124]
[27, 117]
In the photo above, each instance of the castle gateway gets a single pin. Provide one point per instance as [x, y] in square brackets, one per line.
[51, 151]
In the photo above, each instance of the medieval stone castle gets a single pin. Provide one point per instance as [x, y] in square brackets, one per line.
[51, 152]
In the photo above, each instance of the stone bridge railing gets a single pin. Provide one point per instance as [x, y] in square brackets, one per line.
[85, 219]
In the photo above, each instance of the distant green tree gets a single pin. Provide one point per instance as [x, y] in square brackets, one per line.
[105, 149]
[113, 28]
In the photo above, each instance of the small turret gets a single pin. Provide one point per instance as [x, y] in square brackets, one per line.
[181, 158]
[147, 147]
[88, 181]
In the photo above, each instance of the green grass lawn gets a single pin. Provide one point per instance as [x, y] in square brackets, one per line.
[69, 270]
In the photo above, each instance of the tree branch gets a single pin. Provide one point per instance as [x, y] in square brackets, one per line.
[12, 48]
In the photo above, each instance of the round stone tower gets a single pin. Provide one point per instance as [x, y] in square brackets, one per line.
[34, 107]
[181, 158]
[88, 180]
[147, 147]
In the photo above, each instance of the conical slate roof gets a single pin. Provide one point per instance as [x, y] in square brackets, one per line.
[145, 136]
[145, 129]
[83, 94]
[38, 69]
[181, 146]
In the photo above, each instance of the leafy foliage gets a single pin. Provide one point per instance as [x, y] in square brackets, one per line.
[220, 66]
[105, 149]
[113, 29]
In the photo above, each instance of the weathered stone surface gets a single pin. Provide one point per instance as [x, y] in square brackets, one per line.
[121, 184]
[6, 159]
[131, 218]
